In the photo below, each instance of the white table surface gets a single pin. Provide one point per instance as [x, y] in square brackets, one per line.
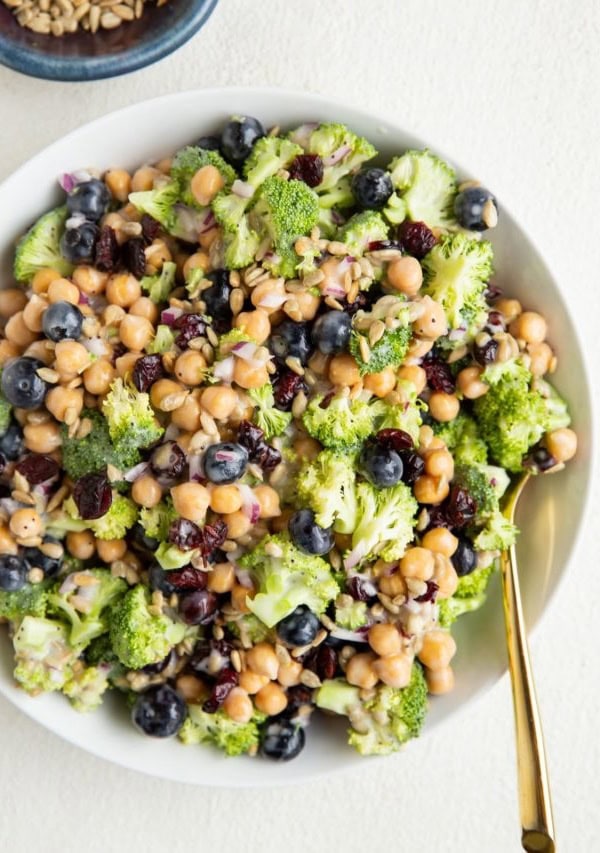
[512, 89]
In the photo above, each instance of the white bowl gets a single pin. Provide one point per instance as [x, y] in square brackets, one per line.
[551, 519]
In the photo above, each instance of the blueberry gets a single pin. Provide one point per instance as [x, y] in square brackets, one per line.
[89, 198]
[225, 462]
[282, 740]
[331, 332]
[158, 579]
[216, 299]
[372, 188]
[77, 244]
[62, 320]
[159, 711]
[12, 442]
[141, 541]
[21, 385]
[307, 534]
[299, 628]
[208, 143]
[13, 573]
[238, 138]
[291, 339]
[472, 210]
[382, 466]
[36, 559]
[464, 558]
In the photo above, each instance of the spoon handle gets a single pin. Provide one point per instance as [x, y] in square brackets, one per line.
[534, 787]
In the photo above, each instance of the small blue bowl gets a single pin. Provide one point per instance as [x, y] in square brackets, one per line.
[82, 56]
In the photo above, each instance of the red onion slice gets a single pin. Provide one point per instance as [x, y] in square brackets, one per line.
[68, 585]
[171, 432]
[250, 504]
[356, 555]
[169, 315]
[349, 636]
[208, 222]
[243, 577]
[196, 468]
[242, 189]
[224, 369]
[337, 155]
[134, 473]
[273, 300]
[302, 134]
[245, 350]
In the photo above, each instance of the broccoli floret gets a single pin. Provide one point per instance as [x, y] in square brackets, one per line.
[229, 210]
[456, 271]
[221, 731]
[188, 161]
[100, 651]
[30, 600]
[159, 203]
[193, 279]
[383, 723]
[338, 196]
[158, 287]
[469, 596]
[287, 580]
[163, 341]
[131, 420]
[395, 209]
[43, 656]
[476, 482]
[427, 186]
[497, 535]
[386, 518]
[114, 524]
[363, 228]
[83, 600]
[332, 138]
[486, 484]
[157, 520]
[557, 410]
[171, 557]
[95, 451]
[40, 247]
[138, 636]
[327, 486]
[349, 613]
[86, 687]
[342, 425]
[240, 246]
[250, 630]
[268, 156]
[392, 346]
[5, 412]
[462, 438]
[272, 421]
[404, 415]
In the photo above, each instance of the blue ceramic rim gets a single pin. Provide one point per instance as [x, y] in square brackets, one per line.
[99, 68]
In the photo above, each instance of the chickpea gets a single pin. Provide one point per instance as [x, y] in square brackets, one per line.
[143, 179]
[222, 578]
[418, 348]
[187, 416]
[157, 254]
[146, 491]
[381, 383]
[431, 490]
[268, 499]
[280, 523]
[562, 444]
[307, 448]
[385, 639]
[110, 550]
[17, 332]
[432, 324]
[12, 300]
[42, 438]
[252, 682]
[289, 673]
[7, 543]
[440, 681]
[271, 699]
[205, 184]
[25, 523]
[238, 524]
[81, 544]
[470, 384]
[191, 689]
[90, 280]
[238, 704]
[417, 563]
[136, 332]
[415, 374]
[8, 350]
[267, 288]
[394, 670]
[125, 363]
[239, 594]
[191, 501]
[118, 182]
[145, 307]
[439, 463]
[219, 401]
[61, 402]
[164, 165]
[319, 363]
[98, 377]
[392, 585]
[360, 672]
[63, 290]
[123, 290]
[440, 541]
[39, 350]
[509, 308]
[443, 407]
[41, 280]
[199, 260]
[308, 304]
[541, 357]
[445, 576]
[190, 367]
[405, 275]
[529, 327]
[166, 395]
[438, 649]
[248, 376]
[343, 370]
[225, 499]
[262, 659]
[207, 238]
[254, 323]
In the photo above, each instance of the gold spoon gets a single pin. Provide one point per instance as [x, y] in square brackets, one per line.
[534, 786]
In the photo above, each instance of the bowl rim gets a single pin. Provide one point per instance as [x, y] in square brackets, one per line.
[47, 67]
[332, 103]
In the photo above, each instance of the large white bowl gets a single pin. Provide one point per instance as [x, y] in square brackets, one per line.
[550, 520]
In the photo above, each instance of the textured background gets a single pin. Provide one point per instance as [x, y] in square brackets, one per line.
[512, 89]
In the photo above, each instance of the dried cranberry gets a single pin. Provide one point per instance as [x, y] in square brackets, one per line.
[37, 468]
[459, 507]
[93, 495]
[250, 436]
[322, 661]
[198, 607]
[190, 326]
[437, 517]
[485, 353]
[307, 168]
[382, 245]
[495, 322]
[150, 228]
[210, 656]
[188, 579]
[134, 256]
[395, 439]
[227, 680]
[157, 668]
[185, 535]
[106, 255]
[430, 593]
[439, 375]
[492, 292]
[540, 459]
[414, 466]
[298, 696]
[147, 370]
[361, 302]
[285, 389]
[119, 349]
[213, 536]
[416, 238]
[358, 588]
[267, 457]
